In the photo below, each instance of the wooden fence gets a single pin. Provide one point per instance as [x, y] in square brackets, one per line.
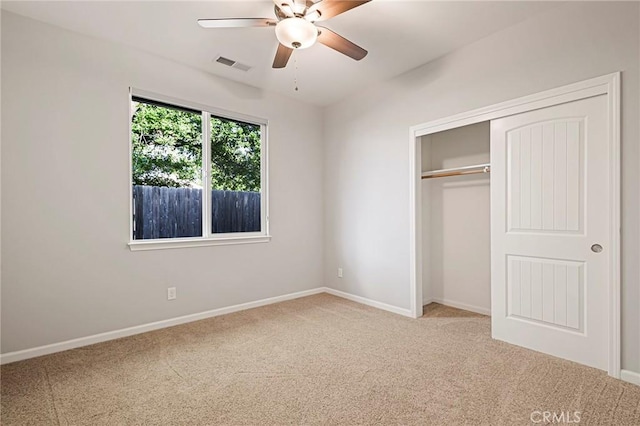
[161, 212]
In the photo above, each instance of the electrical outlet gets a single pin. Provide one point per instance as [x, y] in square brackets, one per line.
[171, 293]
[339, 272]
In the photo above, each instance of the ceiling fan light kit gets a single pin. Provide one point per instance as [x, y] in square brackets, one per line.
[296, 33]
[295, 27]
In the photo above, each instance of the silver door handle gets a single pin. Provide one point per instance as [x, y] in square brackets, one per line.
[596, 248]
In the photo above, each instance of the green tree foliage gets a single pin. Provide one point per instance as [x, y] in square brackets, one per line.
[235, 155]
[166, 146]
[167, 150]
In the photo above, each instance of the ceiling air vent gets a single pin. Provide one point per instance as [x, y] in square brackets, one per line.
[233, 64]
[225, 61]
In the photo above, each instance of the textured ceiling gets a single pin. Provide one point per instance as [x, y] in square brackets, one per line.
[399, 35]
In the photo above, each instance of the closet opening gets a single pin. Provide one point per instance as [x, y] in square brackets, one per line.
[517, 237]
[456, 216]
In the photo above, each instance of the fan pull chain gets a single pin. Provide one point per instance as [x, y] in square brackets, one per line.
[295, 71]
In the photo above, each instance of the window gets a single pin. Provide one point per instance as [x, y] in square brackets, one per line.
[198, 175]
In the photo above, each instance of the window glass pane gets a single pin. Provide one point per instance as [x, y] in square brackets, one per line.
[167, 171]
[235, 176]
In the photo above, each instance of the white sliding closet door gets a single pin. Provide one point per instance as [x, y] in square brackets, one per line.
[550, 232]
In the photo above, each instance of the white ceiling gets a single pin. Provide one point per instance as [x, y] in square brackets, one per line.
[399, 35]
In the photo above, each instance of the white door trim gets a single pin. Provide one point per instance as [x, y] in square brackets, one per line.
[608, 85]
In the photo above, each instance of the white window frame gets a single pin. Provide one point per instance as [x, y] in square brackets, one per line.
[207, 238]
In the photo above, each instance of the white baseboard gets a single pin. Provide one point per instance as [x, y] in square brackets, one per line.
[626, 375]
[369, 302]
[630, 376]
[463, 306]
[130, 331]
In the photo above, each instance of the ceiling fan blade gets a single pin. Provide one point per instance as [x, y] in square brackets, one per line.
[341, 44]
[282, 56]
[330, 8]
[285, 6]
[237, 22]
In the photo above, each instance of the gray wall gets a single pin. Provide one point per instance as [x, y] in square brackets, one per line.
[367, 150]
[67, 271]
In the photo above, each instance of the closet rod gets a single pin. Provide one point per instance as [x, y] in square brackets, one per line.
[469, 170]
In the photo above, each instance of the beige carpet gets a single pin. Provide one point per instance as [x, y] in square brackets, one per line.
[436, 310]
[317, 360]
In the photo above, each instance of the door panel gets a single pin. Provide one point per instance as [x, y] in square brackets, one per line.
[549, 201]
[546, 290]
[546, 155]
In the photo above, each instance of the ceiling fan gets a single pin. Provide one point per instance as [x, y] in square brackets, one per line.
[295, 26]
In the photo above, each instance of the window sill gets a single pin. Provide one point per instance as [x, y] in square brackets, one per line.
[174, 243]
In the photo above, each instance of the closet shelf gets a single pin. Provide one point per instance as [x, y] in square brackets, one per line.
[457, 171]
